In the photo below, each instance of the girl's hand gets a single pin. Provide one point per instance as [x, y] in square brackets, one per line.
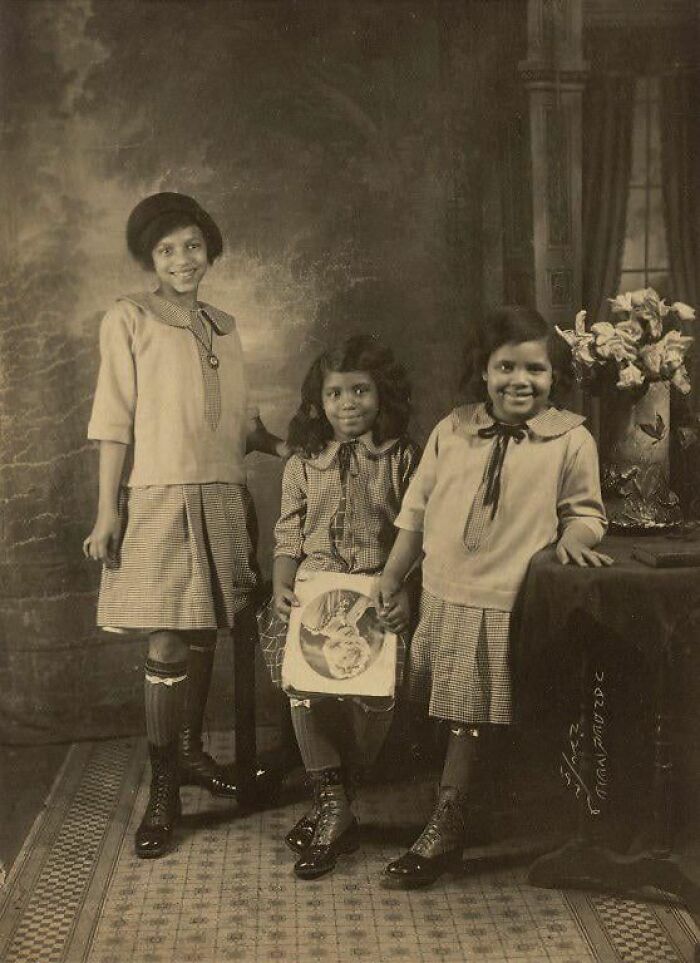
[394, 607]
[396, 612]
[102, 544]
[284, 600]
[572, 549]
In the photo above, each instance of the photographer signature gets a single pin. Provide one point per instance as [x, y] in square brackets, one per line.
[571, 758]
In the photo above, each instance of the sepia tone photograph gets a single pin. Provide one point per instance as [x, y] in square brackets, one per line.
[397, 294]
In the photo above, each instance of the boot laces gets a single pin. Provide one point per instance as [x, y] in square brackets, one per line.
[331, 812]
[444, 827]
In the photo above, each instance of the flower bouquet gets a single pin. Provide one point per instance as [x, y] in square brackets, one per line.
[642, 344]
[631, 362]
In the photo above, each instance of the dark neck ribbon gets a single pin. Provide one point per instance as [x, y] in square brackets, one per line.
[502, 432]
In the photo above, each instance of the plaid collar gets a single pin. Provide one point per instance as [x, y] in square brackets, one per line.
[550, 423]
[178, 317]
[329, 454]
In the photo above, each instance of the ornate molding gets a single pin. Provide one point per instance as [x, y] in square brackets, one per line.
[561, 287]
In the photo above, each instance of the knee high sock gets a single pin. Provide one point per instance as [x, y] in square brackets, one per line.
[461, 751]
[370, 729]
[200, 664]
[164, 691]
[316, 744]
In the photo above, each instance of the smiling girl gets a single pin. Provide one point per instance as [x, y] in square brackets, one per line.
[341, 491]
[499, 480]
[177, 543]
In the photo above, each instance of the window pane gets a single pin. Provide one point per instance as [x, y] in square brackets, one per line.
[658, 252]
[632, 281]
[633, 251]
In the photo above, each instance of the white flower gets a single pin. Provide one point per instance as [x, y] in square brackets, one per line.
[674, 347]
[630, 376]
[684, 312]
[631, 329]
[610, 342]
[579, 340]
[622, 304]
[637, 298]
[680, 380]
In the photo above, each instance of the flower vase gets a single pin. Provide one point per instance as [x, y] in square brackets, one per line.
[634, 459]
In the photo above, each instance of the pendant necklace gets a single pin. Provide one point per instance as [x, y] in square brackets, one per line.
[209, 348]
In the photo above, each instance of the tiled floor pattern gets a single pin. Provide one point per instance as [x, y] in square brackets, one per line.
[227, 893]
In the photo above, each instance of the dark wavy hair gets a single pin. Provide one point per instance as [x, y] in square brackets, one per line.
[310, 430]
[513, 324]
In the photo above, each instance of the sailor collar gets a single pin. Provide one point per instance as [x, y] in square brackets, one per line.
[329, 455]
[550, 423]
[178, 317]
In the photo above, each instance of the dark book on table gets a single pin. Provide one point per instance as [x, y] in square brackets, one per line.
[669, 553]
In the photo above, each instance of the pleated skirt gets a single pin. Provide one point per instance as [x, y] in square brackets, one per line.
[459, 663]
[187, 558]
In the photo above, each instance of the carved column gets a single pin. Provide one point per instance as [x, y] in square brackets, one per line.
[554, 76]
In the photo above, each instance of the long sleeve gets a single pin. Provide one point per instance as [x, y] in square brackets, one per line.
[579, 493]
[416, 498]
[289, 530]
[115, 398]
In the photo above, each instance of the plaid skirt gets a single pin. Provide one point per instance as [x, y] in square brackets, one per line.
[459, 663]
[187, 558]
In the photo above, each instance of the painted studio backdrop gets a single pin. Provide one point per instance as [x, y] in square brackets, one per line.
[342, 150]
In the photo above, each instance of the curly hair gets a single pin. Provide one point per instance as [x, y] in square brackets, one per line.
[310, 430]
[512, 324]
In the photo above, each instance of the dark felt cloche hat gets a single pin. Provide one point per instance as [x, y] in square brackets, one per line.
[159, 207]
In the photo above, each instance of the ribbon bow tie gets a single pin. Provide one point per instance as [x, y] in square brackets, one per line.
[347, 458]
[502, 432]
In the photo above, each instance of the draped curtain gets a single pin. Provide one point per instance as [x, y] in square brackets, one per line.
[608, 109]
[680, 127]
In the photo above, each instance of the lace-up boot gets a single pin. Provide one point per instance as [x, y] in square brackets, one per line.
[300, 835]
[197, 768]
[336, 832]
[154, 835]
[439, 847]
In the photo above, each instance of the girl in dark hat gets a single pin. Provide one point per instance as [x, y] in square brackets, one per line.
[177, 541]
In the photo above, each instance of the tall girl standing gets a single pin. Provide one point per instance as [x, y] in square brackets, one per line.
[499, 480]
[178, 542]
[341, 491]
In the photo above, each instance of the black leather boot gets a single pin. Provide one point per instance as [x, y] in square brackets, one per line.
[197, 768]
[336, 832]
[300, 835]
[154, 835]
[437, 850]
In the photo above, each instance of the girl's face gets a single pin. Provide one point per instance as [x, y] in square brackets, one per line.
[350, 402]
[519, 379]
[180, 262]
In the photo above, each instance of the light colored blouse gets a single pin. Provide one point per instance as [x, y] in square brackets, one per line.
[548, 479]
[187, 421]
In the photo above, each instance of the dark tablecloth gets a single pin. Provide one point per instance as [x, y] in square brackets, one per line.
[629, 610]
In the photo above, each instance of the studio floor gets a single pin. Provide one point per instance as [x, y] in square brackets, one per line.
[75, 892]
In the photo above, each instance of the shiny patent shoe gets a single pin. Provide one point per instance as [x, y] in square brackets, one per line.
[336, 832]
[197, 768]
[437, 850]
[154, 835]
[300, 835]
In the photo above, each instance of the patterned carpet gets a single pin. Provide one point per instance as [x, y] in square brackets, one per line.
[227, 893]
